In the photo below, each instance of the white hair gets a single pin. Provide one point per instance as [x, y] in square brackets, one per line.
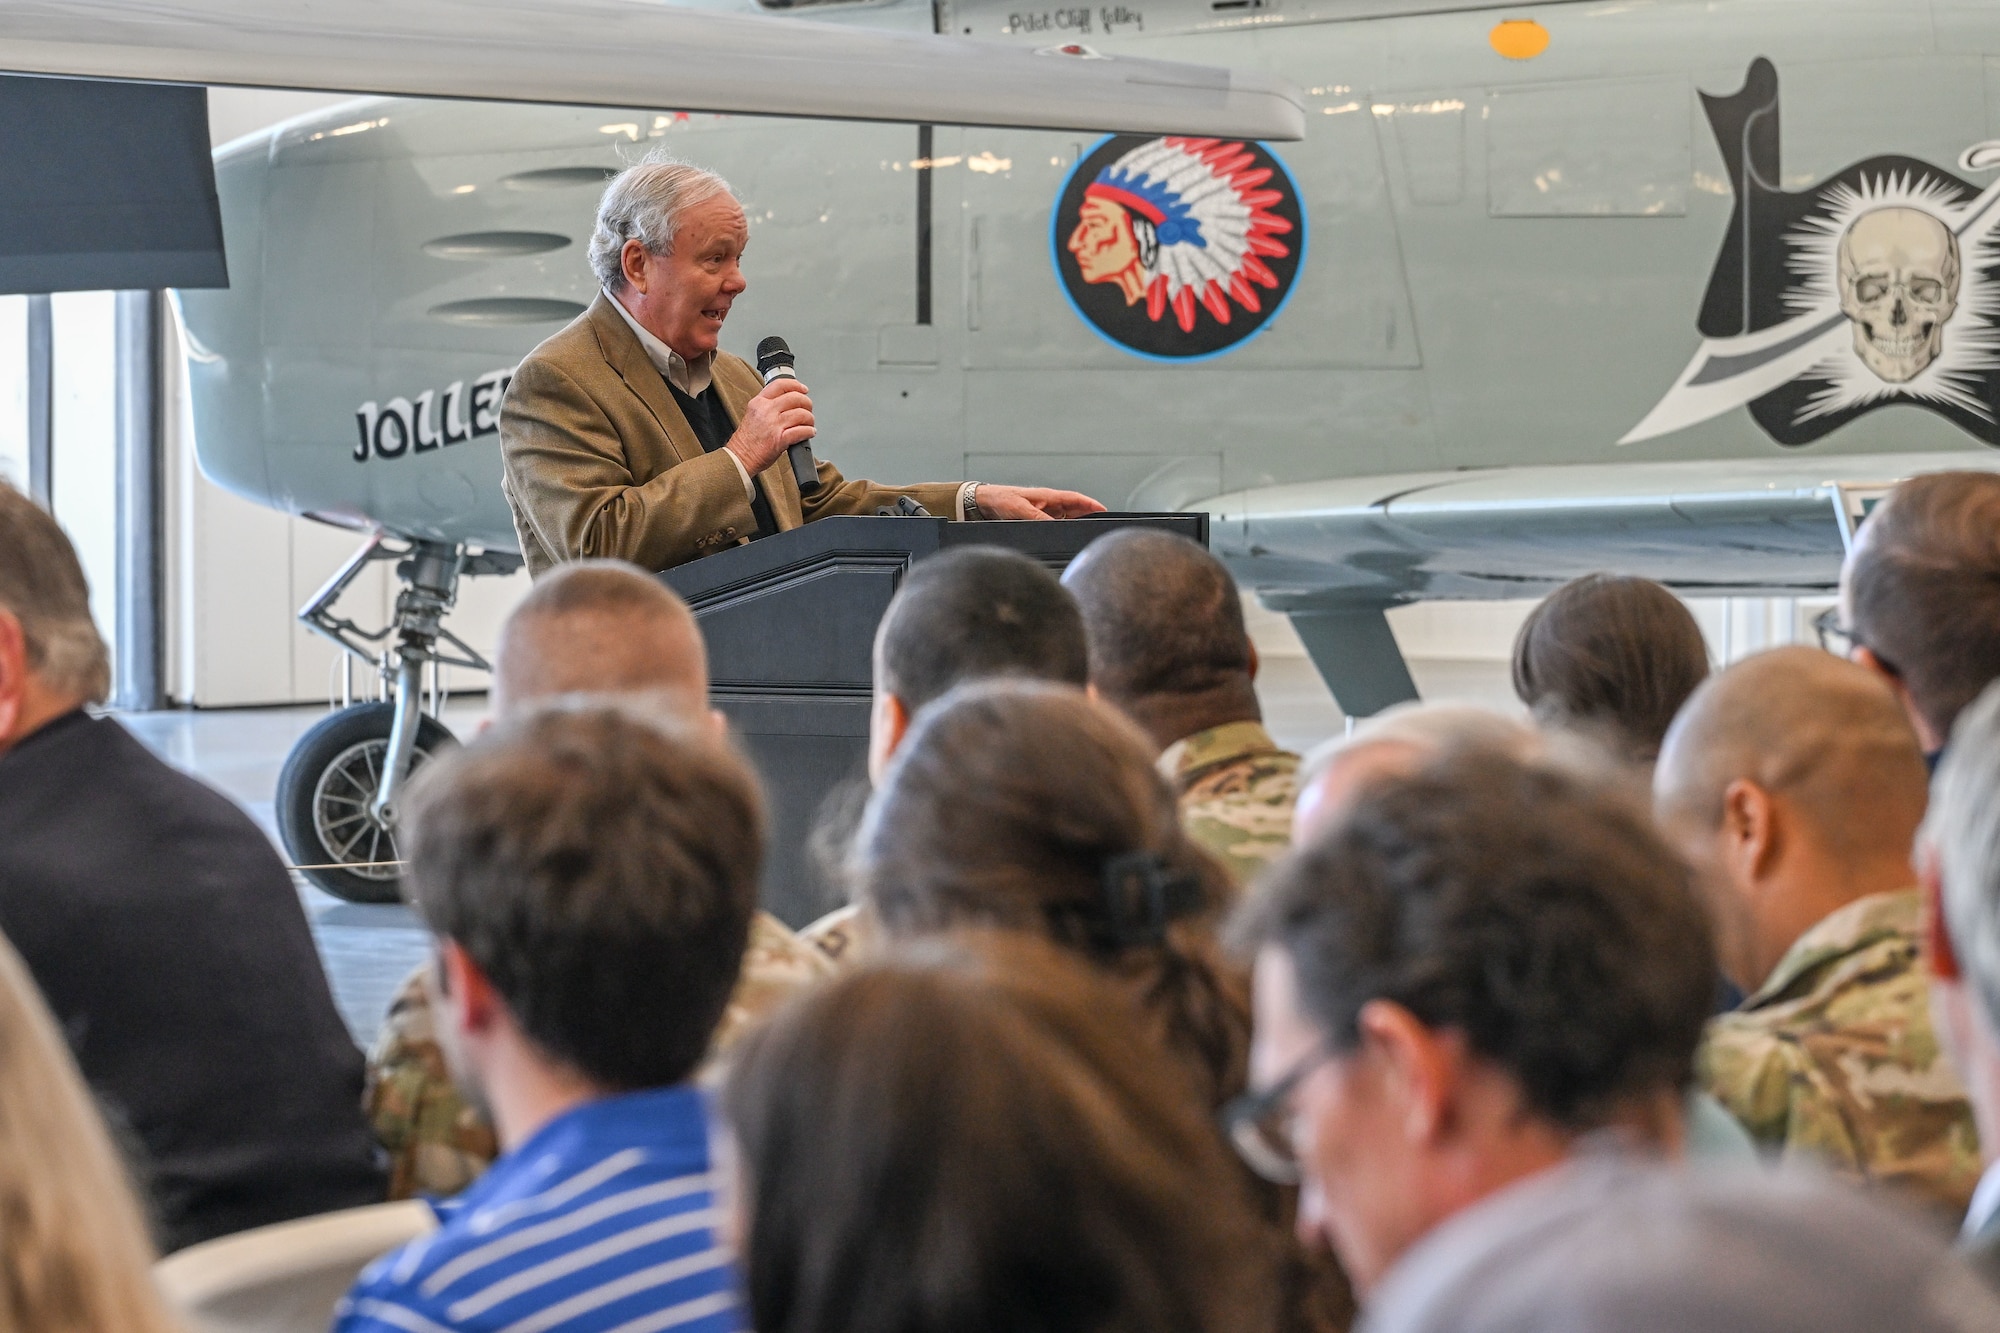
[1963, 831]
[1431, 728]
[645, 203]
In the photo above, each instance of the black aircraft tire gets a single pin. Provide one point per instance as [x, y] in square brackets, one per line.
[322, 788]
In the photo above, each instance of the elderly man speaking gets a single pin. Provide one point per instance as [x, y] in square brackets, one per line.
[629, 435]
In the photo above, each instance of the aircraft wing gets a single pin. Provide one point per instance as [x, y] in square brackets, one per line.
[1752, 527]
[636, 53]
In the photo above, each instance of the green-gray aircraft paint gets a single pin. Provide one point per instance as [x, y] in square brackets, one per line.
[1507, 262]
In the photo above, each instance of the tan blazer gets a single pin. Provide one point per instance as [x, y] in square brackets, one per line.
[601, 462]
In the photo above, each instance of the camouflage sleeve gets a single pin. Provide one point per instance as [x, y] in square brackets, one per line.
[1241, 813]
[438, 1143]
[1230, 835]
[776, 966]
[1777, 1092]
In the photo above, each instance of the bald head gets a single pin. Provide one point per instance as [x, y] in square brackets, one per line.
[1793, 784]
[1798, 722]
[600, 627]
[1165, 624]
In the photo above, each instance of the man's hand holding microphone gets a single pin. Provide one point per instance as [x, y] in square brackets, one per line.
[778, 418]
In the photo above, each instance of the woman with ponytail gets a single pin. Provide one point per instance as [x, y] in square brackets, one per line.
[1025, 806]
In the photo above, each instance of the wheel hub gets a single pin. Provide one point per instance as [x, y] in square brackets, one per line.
[343, 815]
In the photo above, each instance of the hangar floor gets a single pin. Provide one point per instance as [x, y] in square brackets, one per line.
[368, 950]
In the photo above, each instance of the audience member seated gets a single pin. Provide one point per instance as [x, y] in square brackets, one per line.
[76, 1258]
[589, 875]
[943, 1143]
[971, 613]
[1025, 806]
[1794, 786]
[1961, 871]
[1472, 976]
[1396, 742]
[1168, 646]
[164, 933]
[1920, 596]
[590, 627]
[1612, 657]
[1608, 1243]
[1401, 741]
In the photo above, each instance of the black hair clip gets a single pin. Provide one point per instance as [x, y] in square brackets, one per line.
[1140, 898]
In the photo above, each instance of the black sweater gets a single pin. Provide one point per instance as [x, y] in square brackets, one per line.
[709, 420]
[168, 940]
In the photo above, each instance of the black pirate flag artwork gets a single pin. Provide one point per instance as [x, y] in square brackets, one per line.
[1875, 287]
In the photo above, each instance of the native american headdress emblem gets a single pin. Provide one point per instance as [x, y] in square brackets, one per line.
[1171, 228]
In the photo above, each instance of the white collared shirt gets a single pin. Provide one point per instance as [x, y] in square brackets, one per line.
[1985, 1201]
[690, 377]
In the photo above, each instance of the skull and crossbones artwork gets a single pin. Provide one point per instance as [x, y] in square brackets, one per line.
[1874, 287]
[1899, 279]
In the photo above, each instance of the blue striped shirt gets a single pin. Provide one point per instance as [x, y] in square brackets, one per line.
[606, 1219]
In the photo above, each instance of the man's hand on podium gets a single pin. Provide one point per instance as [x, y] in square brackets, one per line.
[1032, 502]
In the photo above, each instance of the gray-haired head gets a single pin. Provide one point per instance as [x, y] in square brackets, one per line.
[1963, 831]
[1612, 1242]
[1432, 728]
[42, 586]
[1397, 742]
[645, 203]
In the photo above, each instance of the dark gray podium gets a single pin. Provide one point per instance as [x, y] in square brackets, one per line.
[790, 623]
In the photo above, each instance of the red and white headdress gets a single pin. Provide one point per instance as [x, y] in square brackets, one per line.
[1203, 221]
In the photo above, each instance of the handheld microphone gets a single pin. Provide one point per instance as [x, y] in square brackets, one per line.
[774, 361]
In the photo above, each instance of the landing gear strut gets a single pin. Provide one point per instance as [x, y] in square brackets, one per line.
[336, 800]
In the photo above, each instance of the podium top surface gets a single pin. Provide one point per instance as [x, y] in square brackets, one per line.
[1055, 542]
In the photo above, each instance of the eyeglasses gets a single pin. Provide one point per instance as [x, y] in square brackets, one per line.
[1835, 637]
[1841, 641]
[1259, 1123]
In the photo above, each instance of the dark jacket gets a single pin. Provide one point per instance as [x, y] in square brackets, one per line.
[168, 940]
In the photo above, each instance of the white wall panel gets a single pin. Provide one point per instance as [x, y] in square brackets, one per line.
[14, 390]
[83, 468]
[238, 608]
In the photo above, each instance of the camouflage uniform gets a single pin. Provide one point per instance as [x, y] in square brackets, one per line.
[438, 1143]
[1835, 1058]
[1236, 790]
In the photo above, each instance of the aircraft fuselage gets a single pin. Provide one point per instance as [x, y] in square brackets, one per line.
[1486, 263]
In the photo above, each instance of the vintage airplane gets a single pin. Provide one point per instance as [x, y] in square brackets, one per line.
[250, 358]
[1542, 290]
